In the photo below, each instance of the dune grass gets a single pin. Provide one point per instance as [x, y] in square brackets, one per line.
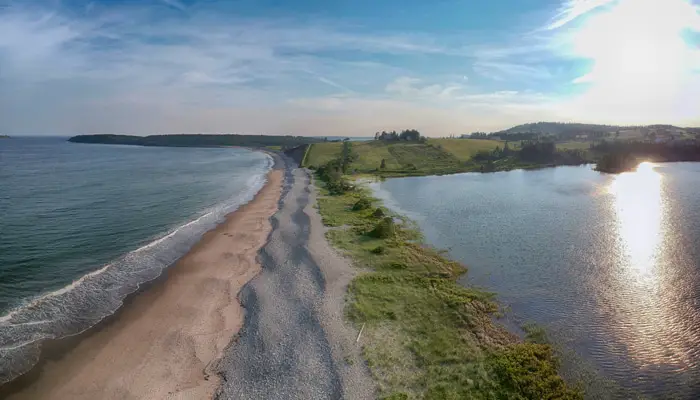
[425, 336]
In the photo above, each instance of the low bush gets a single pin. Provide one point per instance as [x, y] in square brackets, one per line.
[386, 228]
[378, 250]
[362, 204]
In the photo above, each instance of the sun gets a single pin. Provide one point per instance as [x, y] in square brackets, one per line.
[642, 64]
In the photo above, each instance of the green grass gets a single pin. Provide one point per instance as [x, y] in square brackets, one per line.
[320, 153]
[400, 158]
[464, 149]
[425, 336]
[433, 157]
[574, 146]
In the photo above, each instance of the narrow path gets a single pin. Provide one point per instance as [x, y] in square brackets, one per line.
[294, 343]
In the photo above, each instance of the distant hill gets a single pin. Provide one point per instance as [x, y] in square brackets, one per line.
[558, 128]
[198, 140]
[4, 137]
[570, 131]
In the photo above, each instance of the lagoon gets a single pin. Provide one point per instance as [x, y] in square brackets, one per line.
[608, 264]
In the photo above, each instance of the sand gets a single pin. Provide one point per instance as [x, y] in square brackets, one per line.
[165, 343]
[295, 343]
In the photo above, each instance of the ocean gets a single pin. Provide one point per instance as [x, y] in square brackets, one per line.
[609, 265]
[83, 226]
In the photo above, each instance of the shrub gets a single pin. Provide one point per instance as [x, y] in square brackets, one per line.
[378, 213]
[530, 371]
[378, 250]
[339, 186]
[332, 175]
[384, 229]
[396, 396]
[362, 204]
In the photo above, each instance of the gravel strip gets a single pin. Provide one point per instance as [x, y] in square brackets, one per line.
[294, 343]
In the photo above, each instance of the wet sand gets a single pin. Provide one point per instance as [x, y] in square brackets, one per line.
[166, 342]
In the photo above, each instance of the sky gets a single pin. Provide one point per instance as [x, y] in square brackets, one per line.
[344, 67]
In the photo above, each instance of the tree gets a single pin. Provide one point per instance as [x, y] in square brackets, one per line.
[410, 135]
[407, 135]
[383, 164]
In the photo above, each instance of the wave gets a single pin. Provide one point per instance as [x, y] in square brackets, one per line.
[79, 306]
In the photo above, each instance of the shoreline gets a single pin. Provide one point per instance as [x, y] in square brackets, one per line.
[424, 334]
[296, 342]
[184, 320]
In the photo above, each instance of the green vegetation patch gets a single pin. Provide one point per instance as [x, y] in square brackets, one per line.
[465, 149]
[319, 154]
[259, 141]
[585, 146]
[425, 336]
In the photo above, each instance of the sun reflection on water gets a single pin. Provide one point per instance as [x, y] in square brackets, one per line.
[644, 321]
[638, 207]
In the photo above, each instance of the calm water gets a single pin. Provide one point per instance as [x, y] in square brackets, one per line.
[610, 265]
[81, 226]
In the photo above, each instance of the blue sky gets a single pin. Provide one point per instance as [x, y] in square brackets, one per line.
[343, 67]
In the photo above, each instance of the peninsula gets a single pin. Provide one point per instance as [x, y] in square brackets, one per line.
[254, 141]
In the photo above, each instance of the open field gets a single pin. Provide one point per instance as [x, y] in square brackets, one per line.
[446, 156]
[464, 149]
[574, 146]
[322, 153]
[404, 158]
[396, 155]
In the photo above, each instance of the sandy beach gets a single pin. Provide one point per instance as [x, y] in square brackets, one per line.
[295, 342]
[166, 341]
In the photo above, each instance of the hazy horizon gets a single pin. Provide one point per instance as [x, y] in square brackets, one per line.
[344, 68]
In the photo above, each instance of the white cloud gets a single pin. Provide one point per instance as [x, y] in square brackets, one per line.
[149, 70]
[501, 71]
[574, 9]
[123, 71]
[415, 89]
[642, 69]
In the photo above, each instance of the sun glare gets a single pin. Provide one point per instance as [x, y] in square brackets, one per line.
[638, 207]
[641, 62]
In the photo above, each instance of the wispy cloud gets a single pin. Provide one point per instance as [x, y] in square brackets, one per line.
[173, 67]
[416, 89]
[508, 70]
[574, 9]
[333, 84]
[175, 4]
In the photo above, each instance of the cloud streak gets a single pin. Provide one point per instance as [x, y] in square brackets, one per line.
[175, 4]
[171, 67]
[574, 9]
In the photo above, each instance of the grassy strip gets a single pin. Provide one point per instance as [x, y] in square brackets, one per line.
[306, 155]
[425, 336]
[434, 157]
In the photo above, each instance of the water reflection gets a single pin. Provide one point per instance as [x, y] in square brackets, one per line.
[638, 208]
[608, 264]
[646, 325]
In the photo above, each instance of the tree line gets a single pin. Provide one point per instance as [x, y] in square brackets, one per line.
[542, 152]
[197, 140]
[616, 156]
[408, 135]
